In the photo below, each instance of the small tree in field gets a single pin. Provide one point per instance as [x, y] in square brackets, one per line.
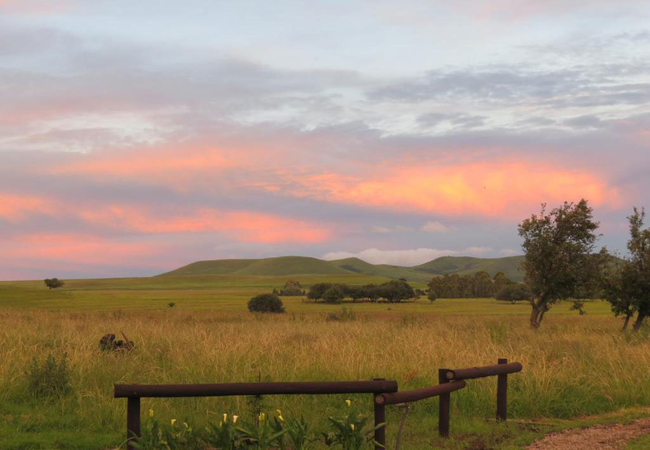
[53, 283]
[626, 284]
[266, 303]
[431, 295]
[334, 294]
[558, 248]
[291, 288]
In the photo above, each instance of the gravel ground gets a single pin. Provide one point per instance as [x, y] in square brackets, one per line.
[599, 437]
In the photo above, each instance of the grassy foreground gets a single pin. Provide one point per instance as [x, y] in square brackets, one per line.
[574, 366]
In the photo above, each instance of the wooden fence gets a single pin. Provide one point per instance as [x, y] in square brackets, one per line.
[384, 392]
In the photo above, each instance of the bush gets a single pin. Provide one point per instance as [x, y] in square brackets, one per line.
[50, 378]
[514, 292]
[266, 303]
[431, 295]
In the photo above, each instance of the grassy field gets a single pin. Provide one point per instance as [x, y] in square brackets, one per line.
[574, 366]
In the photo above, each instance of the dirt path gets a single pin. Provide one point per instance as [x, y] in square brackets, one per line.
[601, 437]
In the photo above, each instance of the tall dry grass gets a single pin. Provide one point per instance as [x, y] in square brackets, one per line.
[572, 366]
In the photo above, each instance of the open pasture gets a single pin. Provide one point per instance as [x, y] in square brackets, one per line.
[573, 366]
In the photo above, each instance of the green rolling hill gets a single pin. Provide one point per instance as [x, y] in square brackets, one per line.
[464, 265]
[283, 265]
[359, 266]
[300, 265]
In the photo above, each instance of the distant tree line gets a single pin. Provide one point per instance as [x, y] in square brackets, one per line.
[478, 285]
[394, 291]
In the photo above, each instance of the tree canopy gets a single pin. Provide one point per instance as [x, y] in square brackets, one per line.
[53, 283]
[626, 284]
[558, 248]
[479, 285]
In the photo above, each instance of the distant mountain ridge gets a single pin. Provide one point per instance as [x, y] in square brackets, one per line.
[302, 265]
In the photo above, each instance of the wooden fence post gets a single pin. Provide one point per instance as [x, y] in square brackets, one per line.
[502, 394]
[380, 418]
[132, 420]
[444, 406]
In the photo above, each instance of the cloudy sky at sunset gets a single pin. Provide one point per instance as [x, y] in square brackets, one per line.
[138, 136]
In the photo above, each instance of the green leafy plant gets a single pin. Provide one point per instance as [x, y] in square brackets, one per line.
[262, 435]
[175, 436]
[224, 435]
[353, 432]
[298, 435]
[51, 378]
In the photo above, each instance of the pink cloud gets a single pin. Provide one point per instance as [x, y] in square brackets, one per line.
[242, 225]
[17, 207]
[74, 248]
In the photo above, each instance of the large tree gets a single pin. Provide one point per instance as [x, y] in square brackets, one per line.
[558, 246]
[53, 283]
[626, 283]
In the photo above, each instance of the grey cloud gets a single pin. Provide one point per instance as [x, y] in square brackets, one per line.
[579, 86]
[429, 120]
[582, 122]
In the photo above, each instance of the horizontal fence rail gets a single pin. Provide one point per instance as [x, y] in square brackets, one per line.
[419, 394]
[482, 372]
[229, 389]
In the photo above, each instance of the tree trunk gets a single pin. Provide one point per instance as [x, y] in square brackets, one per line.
[534, 316]
[537, 314]
[638, 322]
[541, 315]
[626, 321]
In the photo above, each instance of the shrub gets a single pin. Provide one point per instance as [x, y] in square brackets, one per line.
[266, 303]
[431, 295]
[514, 292]
[171, 304]
[51, 378]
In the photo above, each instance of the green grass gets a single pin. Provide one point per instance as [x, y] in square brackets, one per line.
[228, 293]
[642, 443]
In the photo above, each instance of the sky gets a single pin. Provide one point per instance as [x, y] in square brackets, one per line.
[136, 137]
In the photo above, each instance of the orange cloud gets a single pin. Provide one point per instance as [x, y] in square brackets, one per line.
[244, 226]
[488, 189]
